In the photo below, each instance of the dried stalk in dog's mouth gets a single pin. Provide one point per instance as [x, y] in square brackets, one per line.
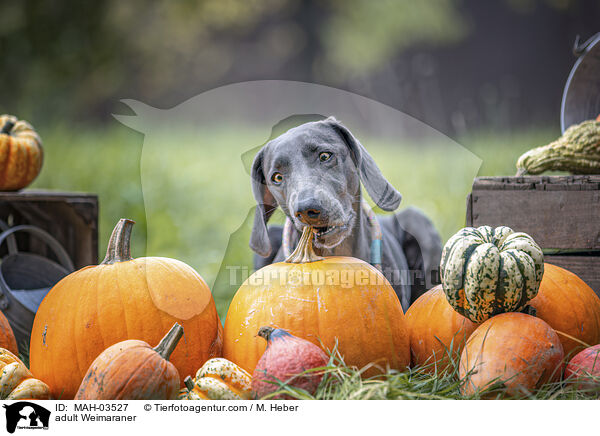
[304, 252]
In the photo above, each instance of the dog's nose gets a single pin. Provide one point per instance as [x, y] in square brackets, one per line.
[309, 212]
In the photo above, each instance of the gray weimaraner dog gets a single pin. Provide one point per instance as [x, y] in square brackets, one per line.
[314, 173]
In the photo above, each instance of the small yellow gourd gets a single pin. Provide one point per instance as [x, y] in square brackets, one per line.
[17, 382]
[218, 379]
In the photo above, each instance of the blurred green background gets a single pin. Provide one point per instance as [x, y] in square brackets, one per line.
[487, 74]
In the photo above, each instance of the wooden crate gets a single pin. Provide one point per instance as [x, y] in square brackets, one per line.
[72, 218]
[562, 214]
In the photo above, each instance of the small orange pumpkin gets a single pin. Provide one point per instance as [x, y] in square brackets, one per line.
[7, 336]
[122, 298]
[132, 370]
[436, 329]
[21, 153]
[326, 301]
[571, 308]
[520, 351]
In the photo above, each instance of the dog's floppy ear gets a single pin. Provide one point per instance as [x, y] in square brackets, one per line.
[265, 206]
[380, 190]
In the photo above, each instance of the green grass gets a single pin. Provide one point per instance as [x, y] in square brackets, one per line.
[189, 190]
[426, 382]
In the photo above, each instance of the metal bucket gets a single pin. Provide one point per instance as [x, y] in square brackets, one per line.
[581, 96]
[26, 278]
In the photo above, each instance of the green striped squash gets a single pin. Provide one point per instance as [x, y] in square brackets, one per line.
[486, 271]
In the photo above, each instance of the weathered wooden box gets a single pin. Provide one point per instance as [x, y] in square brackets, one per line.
[562, 214]
[72, 218]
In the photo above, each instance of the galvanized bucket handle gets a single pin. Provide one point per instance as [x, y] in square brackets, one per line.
[580, 48]
[11, 242]
[59, 251]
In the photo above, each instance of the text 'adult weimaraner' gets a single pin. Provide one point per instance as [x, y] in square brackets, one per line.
[314, 173]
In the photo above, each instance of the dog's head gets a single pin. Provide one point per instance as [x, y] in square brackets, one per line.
[313, 172]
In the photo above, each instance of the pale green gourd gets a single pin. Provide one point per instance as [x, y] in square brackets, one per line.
[576, 151]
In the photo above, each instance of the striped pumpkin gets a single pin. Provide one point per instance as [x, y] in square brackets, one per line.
[218, 379]
[487, 271]
[21, 153]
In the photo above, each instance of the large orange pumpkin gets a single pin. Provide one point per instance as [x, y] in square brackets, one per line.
[571, 308]
[132, 370]
[21, 153]
[322, 300]
[122, 298]
[437, 331]
[7, 337]
[520, 351]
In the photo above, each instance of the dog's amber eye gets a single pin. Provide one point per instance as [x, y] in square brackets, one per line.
[325, 156]
[277, 178]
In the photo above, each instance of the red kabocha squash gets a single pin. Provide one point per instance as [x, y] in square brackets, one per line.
[21, 153]
[520, 351]
[132, 370]
[583, 371]
[571, 308]
[7, 336]
[437, 332]
[122, 298]
[289, 360]
[328, 301]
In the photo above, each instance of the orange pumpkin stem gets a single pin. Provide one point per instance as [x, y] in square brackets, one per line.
[189, 383]
[7, 127]
[119, 245]
[304, 252]
[167, 344]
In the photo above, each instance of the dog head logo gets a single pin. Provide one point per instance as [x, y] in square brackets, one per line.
[26, 415]
[190, 166]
